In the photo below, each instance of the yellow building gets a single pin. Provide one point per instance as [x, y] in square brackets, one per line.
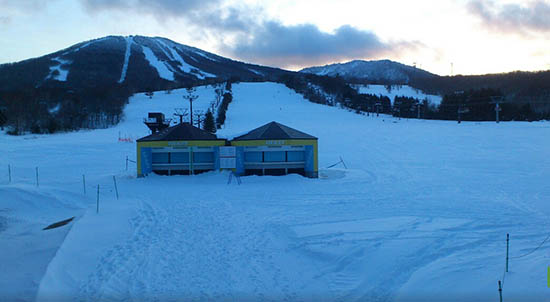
[276, 149]
[181, 149]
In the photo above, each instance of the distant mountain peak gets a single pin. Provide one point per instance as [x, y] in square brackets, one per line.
[376, 71]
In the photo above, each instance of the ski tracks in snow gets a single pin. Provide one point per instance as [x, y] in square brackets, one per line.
[200, 250]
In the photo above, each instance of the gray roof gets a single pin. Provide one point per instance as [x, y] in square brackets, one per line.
[180, 132]
[274, 130]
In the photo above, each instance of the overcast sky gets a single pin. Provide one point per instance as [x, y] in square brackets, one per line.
[459, 36]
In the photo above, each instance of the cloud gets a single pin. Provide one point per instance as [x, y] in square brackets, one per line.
[161, 9]
[4, 20]
[533, 16]
[273, 43]
[202, 14]
[244, 32]
[23, 6]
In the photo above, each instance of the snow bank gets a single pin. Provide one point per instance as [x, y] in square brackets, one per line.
[26, 248]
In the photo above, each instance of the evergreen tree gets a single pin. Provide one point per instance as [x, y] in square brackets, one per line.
[209, 124]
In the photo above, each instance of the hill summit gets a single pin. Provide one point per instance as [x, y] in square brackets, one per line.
[382, 71]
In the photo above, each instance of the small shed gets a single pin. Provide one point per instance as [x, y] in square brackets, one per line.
[181, 149]
[276, 149]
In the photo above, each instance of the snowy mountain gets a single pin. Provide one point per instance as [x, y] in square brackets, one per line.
[383, 71]
[145, 63]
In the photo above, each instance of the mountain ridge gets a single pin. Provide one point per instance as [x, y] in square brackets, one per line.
[146, 63]
[376, 71]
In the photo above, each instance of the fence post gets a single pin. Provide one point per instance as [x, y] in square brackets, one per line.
[37, 176]
[343, 162]
[116, 188]
[500, 290]
[9, 173]
[126, 162]
[97, 202]
[507, 248]
[84, 183]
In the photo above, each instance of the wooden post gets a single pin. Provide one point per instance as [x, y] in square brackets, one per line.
[507, 248]
[500, 290]
[97, 203]
[192, 169]
[84, 183]
[9, 173]
[343, 162]
[37, 176]
[116, 189]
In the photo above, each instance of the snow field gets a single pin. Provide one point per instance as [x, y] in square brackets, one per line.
[421, 212]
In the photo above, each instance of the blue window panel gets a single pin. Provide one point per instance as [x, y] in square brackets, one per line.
[295, 156]
[274, 156]
[203, 157]
[253, 157]
[146, 161]
[240, 161]
[179, 157]
[160, 158]
[309, 159]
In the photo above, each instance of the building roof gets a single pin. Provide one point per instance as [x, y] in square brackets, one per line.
[274, 130]
[180, 132]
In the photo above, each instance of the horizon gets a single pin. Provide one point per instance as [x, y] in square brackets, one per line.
[453, 37]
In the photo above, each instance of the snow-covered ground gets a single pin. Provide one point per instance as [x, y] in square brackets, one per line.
[421, 212]
[398, 90]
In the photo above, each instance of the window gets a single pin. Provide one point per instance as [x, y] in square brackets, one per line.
[161, 158]
[203, 157]
[276, 156]
[179, 157]
[253, 157]
[293, 156]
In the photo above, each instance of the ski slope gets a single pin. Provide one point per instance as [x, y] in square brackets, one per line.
[421, 212]
[399, 90]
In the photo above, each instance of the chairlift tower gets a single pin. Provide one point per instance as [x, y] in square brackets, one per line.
[497, 100]
[181, 113]
[191, 97]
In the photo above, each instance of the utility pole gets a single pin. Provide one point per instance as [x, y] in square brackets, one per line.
[191, 97]
[497, 100]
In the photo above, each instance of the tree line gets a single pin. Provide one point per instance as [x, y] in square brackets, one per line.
[475, 104]
[53, 109]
